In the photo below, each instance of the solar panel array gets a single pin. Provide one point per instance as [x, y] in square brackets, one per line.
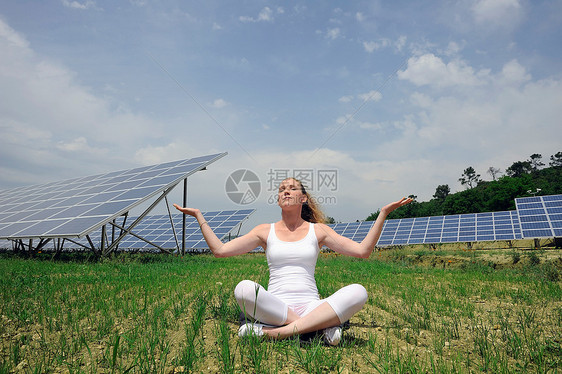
[439, 229]
[540, 216]
[75, 207]
[158, 230]
[453, 228]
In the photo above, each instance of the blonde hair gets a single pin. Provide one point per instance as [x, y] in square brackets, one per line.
[311, 211]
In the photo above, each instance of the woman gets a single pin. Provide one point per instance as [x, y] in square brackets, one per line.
[291, 304]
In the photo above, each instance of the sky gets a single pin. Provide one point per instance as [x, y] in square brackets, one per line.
[385, 98]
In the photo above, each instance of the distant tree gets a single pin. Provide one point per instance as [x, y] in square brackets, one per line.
[535, 161]
[489, 196]
[495, 173]
[470, 178]
[441, 192]
[519, 168]
[556, 160]
[467, 201]
[373, 216]
[330, 220]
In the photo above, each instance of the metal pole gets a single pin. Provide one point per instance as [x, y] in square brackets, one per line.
[102, 239]
[183, 217]
[173, 227]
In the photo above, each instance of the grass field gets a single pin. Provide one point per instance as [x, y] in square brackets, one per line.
[428, 312]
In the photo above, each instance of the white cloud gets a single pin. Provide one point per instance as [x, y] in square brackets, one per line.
[265, 15]
[497, 13]
[219, 103]
[74, 145]
[373, 46]
[400, 43]
[138, 2]
[513, 72]
[490, 120]
[407, 126]
[430, 70]
[11, 37]
[370, 47]
[14, 132]
[370, 96]
[496, 121]
[453, 49]
[343, 119]
[88, 4]
[300, 9]
[370, 126]
[421, 100]
[80, 145]
[333, 33]
[47, 114]
[150, 155]
[367, 96]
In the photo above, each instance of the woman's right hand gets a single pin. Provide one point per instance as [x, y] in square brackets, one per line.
[237, 246]
[189, 211]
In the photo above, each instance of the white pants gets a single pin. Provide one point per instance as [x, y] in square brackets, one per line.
[260, 304]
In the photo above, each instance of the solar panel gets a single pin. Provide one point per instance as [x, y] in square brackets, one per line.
[75, 207]
[439, 229]
[540, 216]
[158, 230]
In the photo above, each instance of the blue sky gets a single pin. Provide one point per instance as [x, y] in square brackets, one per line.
[398, 97]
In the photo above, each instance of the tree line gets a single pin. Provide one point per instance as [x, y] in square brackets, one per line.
[523, 178]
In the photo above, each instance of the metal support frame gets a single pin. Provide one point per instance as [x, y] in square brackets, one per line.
[140, 237]
[96, 252]
[92, 248]
[20, 245]
[111, 248]
[58, 246]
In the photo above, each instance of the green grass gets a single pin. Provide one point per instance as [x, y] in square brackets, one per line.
[164, 314]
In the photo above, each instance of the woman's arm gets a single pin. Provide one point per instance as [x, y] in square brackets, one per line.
[240, 245]
[346, 246]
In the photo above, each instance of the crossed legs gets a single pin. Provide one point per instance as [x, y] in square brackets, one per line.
[255, 301]
[321, 317]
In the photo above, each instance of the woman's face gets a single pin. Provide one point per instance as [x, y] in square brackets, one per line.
[290, 193]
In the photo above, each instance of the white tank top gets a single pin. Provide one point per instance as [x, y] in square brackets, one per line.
[292, 266]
